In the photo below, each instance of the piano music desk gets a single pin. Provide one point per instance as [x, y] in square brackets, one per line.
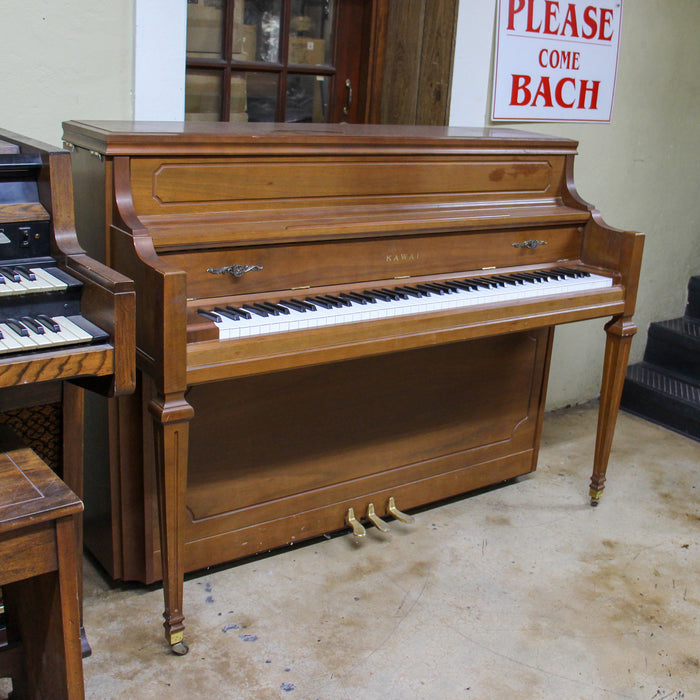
[39, 579]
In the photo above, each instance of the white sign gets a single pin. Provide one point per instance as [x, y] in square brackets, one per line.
[556, 60]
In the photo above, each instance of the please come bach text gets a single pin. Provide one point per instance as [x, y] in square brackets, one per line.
[556, 60]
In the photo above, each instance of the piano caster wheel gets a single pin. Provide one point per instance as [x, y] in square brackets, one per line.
[179, 649]
[357, 528]
[375, 519]
[595, 497]
[402, 517]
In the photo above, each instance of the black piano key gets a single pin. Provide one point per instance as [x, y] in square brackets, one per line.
[413, 292]
[253, 309]
[521, 276]
[210, 315]
[277, 307]
[240, 312]
[266, 306]
[48, 322]
[444, 287]
[294, 305]
[10, 274]
[33, 324]
[24, 272]
[396, 294]
[232, 315]
[309, 306]
[323, 303]
[466, 284]
[340, 300]
[17, 327]
[506, 279]
[378, 294]
[354, 297]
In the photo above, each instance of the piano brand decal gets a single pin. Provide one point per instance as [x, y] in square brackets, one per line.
[556, 60]
[402, 257]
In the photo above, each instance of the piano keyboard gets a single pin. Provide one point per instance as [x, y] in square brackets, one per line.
[315, 311]
[41, 332]
[19, 279]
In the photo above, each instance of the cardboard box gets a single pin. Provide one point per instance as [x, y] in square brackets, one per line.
[307, 50]
[239, 93]
[245, 37]
[205, 28]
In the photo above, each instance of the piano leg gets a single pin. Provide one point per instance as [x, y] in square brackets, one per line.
[171, 415]
[73, 458]
[620, 332]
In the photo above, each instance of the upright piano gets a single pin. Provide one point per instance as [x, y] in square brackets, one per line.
[335, 324]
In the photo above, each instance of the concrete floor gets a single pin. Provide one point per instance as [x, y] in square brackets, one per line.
[521, 591]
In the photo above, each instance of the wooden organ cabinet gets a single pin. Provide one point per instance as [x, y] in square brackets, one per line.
[66, 326]
[46, 280]
[334, 322]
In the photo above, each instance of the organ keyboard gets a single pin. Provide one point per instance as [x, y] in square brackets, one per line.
[333, 322]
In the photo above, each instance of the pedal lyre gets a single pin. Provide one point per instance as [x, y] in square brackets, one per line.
[375, 519]
[357, 528]
[403, 517]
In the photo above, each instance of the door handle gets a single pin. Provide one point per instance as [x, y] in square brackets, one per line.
[348, 101]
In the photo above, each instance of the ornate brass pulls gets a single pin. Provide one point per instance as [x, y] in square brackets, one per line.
[235, 270]
[529, 244]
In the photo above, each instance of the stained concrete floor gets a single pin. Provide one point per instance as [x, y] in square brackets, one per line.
[522, 591]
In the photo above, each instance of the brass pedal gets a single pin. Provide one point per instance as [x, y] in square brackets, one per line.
[403, 517]
[357, 528]
[375, 519]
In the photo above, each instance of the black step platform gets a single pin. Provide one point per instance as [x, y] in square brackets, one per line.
[665, 387]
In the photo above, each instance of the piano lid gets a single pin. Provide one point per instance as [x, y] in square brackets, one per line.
[187, 138]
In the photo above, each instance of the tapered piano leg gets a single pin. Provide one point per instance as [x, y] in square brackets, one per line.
[620, 332]
[172, 415]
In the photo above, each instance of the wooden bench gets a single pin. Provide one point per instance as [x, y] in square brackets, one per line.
[39, 563]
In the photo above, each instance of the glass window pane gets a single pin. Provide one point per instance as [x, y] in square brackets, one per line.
[256, 30]
[307, 98]
[310, 32]
[202, 96]
[261, 95]
[205, 28]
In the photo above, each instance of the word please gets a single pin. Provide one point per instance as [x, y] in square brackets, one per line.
[549, 17]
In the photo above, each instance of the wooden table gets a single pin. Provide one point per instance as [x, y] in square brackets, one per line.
[39, 578]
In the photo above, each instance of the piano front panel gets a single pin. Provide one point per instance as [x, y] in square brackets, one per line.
[287, 267]
[280, 457]
[272, 185]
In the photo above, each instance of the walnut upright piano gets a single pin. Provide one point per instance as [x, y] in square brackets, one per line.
[333, 323]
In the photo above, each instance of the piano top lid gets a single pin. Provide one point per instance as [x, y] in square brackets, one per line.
[127, 138]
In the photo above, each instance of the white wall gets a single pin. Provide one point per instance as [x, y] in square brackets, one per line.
[641, 171]
[64, 60]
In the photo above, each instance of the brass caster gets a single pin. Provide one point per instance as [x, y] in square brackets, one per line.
[179, 649]
[357, 528]
[595, 496]
[375, 519]
[403, 517]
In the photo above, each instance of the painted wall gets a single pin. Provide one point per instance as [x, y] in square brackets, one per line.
[64, 60]
[78, 59]
[641, 171]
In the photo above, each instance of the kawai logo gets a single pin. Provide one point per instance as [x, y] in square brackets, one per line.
[402, 258]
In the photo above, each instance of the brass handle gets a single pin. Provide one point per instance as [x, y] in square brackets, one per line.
[348, 102]
[529, 244]
[235, 270]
